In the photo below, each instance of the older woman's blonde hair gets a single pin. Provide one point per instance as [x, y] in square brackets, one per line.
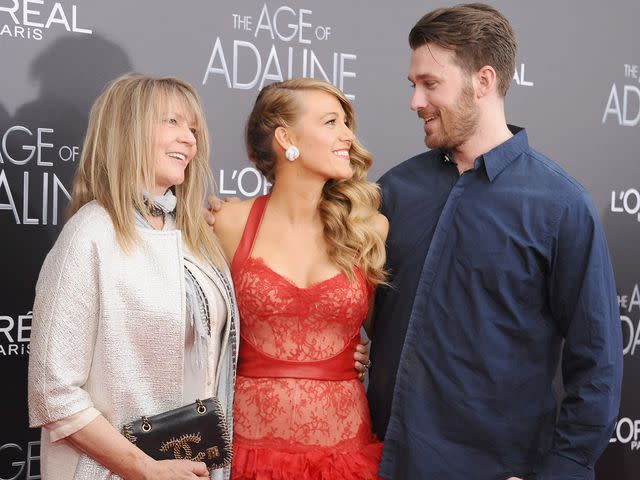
[117, 164]
[348, 207]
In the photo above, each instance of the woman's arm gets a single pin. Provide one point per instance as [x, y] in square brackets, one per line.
[102, 442]
[64, 327]
[66, 316]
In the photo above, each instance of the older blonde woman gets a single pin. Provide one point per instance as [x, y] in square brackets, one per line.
[134, 311]
[306, 259]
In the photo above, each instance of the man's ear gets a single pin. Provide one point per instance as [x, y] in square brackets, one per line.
[485, 81]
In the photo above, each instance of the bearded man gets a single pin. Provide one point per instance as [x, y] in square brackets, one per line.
[499, 273]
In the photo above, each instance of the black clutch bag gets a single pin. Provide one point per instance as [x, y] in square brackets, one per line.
[197, 432]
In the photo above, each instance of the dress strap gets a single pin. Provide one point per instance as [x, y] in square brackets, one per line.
[249, 235]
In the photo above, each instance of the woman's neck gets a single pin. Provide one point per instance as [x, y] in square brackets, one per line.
[296, 202]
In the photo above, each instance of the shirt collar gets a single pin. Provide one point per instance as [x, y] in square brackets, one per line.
[498, 158]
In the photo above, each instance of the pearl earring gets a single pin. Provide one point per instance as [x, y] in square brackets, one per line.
[292, 153]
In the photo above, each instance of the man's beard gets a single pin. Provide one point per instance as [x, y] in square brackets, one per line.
[457, 124]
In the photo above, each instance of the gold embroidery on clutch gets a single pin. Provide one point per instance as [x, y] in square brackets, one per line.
[181, 448]
[127, 431]
[212, 453]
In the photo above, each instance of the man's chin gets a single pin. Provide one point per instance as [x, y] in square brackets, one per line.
[431, 142]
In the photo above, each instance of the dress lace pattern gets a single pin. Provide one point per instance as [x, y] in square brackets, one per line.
[288, 428]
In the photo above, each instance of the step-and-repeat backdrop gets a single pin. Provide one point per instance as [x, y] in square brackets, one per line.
[576, 88]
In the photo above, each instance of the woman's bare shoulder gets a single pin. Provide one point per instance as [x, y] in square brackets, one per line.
[229, 224]
[381, 225]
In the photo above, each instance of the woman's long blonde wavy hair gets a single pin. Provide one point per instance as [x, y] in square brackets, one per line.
[117, 164]
[347, 207]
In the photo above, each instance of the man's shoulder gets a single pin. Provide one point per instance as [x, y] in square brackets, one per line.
[416, 165]
[553, 177]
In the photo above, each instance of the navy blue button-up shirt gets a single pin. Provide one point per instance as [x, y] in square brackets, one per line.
[490, 271]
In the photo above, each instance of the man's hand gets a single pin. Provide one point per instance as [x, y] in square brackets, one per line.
[361, 357]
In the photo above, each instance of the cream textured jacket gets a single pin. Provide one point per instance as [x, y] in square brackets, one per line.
[108, 332]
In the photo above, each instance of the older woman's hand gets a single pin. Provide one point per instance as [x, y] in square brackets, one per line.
[176, 470]
[215, 204]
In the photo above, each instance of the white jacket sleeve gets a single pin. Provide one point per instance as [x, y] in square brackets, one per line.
[66, 314]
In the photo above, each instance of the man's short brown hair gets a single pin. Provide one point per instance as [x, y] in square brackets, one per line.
[478, 34]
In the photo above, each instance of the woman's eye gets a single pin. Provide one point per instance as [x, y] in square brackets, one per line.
[331, 122]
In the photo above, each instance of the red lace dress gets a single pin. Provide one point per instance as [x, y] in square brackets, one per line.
[300, 411]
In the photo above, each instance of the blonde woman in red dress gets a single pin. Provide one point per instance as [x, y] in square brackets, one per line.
[305, 262]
